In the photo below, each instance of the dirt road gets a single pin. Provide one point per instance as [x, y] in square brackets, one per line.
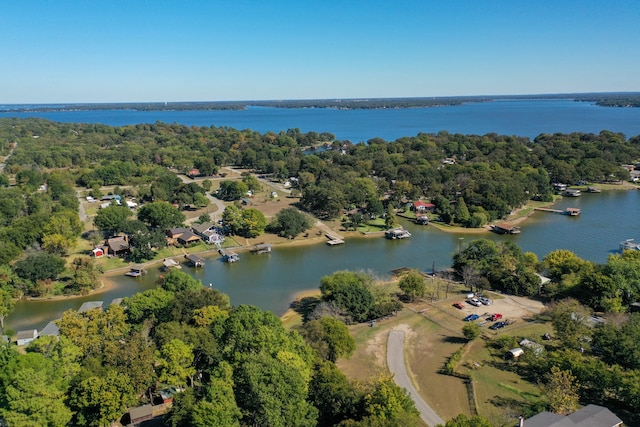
[395, 361]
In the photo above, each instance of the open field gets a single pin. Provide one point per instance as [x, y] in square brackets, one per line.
[433, 333]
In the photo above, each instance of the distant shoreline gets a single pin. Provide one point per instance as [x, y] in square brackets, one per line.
[605, 99]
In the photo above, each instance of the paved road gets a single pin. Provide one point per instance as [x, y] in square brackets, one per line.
[219, 206]
[395, 361]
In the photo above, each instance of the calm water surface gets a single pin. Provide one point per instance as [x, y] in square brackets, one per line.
[271, 281]
[527, 118]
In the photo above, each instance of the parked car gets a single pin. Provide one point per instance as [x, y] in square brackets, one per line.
[498, 325]
[471, 318]
[494, 317]
[474, 302]
[485, 301]
[458, 305]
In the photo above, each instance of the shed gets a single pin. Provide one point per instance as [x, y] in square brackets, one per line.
[25, 337]
[98, 252]
[514, 353]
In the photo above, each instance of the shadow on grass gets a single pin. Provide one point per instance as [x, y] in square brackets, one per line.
[305, 305]
[454, 340]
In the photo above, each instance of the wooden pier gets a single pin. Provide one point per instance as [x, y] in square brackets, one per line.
[334, 239]
[567, 211]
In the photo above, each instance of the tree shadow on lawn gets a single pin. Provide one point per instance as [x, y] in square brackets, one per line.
[305, 306]
[453, 340]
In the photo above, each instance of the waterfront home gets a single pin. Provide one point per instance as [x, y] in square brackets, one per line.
[588, 416]
[25, 337]
[51, 329]
[188, 237]
[118, 246]
[503, 228]
[421, 206]
[174, 233]
[208, 232]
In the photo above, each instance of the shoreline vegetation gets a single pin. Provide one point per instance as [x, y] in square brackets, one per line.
[612, 99]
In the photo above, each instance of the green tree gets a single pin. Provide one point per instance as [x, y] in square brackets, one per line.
[153, 304]
[413, 285]
[232, 219]
[177, 281]
[386, 401]
[232, 190]
[290, 222]
[175, 362]
[161, 215]
[218, 407]
[100, 400]
[562, 391]
[390, 217]
[272, 392]
[570, 321]
[331, 392]
[463, 420]
[462, 215]
[85, 275]
[253, 222]
[329, 337]
[39, 266]
[111, 220]
[7, 305]
[34, 394]
[471, 331]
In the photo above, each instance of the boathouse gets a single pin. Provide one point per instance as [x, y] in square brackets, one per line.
[572, 192]
[230, 256]
[195, 260]
[262, 248]
[503, 228]
[397, 233]
[169, 263]
[572, 211]
[135, 271]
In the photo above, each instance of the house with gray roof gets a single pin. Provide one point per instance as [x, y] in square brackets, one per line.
[589, 416]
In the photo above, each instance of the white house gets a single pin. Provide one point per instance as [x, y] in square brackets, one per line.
[25, 337]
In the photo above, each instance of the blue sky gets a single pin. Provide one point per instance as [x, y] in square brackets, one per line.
[141, 50]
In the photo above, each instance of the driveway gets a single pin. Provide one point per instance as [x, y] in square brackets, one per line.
[395, 362]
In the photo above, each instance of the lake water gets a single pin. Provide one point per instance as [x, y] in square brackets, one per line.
[271, 281]
[527, 118]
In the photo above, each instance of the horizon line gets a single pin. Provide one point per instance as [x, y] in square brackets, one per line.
[337, 99]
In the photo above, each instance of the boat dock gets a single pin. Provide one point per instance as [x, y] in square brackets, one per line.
[334, 239]
[567, 211]
[397, 233]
